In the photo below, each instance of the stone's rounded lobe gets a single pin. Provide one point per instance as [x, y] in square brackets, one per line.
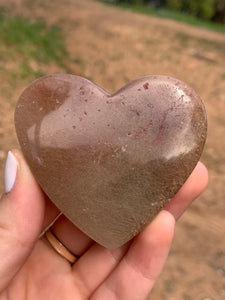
[110, 162]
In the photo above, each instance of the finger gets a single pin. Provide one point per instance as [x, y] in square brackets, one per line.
[71, 237]
[140, 267]
[21, 216]
[192, 188]
[95, 266]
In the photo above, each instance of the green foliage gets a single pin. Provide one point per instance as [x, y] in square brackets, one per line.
[205, 9]
[134, 2]
[191, 6]
[220, 11]
[34, 40]
[175, 4]
[171, 14]
[30, 44]
[201, 8]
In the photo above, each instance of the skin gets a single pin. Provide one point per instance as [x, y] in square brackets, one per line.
[31, 269]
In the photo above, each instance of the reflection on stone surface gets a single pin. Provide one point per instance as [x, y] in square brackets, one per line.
[110, 162]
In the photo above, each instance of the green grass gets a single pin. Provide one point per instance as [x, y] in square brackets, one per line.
[169, 14]
[28, 41]
[26, 71]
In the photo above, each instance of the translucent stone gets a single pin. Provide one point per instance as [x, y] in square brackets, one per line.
[110, 163]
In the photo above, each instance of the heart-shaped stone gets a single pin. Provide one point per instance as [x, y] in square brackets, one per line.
[110, 162]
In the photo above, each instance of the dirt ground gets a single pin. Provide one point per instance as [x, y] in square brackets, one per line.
[111, 47]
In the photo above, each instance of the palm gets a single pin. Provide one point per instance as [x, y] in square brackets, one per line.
[48, 276]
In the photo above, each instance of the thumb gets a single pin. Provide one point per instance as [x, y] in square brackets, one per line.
[21, 216]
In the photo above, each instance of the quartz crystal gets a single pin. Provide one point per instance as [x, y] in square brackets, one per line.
[110, 163]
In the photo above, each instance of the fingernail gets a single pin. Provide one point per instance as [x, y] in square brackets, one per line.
[10, 172]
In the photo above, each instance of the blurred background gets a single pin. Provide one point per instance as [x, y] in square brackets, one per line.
[112, 43]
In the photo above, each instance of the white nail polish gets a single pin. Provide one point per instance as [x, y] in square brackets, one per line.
[10, 171]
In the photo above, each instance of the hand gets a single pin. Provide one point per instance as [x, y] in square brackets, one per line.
[31, 269]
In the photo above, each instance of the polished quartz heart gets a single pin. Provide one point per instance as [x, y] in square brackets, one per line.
[110, 162]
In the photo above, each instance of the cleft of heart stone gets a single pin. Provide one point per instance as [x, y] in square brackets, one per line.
[110, 163]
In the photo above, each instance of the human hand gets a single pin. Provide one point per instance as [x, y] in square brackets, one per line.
[31, 269]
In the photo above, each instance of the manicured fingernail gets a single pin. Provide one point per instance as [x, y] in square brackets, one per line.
[10, 171]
